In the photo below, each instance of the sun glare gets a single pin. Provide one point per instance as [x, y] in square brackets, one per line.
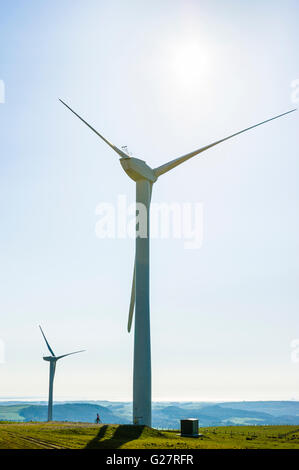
[189, 65]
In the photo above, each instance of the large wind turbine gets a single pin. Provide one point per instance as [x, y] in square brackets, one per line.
[145, 177]
[52, 359]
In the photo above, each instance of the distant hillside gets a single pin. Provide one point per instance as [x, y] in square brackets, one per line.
[275, 408]
[83, 412]
[219, 415]
[165, 415]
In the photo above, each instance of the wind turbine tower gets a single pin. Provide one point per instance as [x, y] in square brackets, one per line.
[144, 177]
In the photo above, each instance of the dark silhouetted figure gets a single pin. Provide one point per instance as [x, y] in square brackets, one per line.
[98, 419]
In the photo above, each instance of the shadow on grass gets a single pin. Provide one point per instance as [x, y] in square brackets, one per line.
[122, 434]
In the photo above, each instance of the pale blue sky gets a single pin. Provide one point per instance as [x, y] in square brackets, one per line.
[163, 78]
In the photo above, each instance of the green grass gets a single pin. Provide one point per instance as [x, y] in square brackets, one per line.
[84, 435]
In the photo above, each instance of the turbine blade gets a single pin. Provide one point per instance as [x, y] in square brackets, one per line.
[173, 163]
[69, 354]
[49, 347]
[116, 149]
[132, 301]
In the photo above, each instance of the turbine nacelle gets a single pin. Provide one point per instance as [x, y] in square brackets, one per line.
[50, 358]
[138, 169]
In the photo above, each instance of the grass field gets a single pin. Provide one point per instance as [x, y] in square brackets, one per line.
[59, 435]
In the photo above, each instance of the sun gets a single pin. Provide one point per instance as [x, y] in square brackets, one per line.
[189, 64]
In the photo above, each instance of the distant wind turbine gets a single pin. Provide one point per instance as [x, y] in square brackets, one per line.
[144, 177]
[53, 359]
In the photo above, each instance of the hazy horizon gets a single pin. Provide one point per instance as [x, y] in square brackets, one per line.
[68, 399]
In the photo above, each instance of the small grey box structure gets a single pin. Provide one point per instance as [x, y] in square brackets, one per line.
[189, 427]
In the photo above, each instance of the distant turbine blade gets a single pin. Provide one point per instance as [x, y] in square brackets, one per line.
[69, 354]
[117, 150]
[172, 164]
[49, 347]
[132, 301]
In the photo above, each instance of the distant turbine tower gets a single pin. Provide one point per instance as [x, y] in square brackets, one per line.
[53, 359]
[145, 177]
